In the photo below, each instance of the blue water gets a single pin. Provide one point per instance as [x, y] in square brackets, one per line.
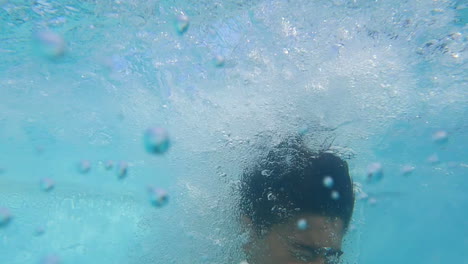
[82, 81]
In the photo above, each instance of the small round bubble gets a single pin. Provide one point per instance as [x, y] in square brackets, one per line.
[219, 61]
[39, 231]
[84, 166]
[109, 165]
[122, 170]
[156, 140]
[433, 159]
[47, 184]
[440, 137]
[302, 224]
[372, 201]
[158, 197]
[182, 23]
[362, 196]
[328, 182]
[271, 196]
[407, 170]
[50, 44]
[374, 172]
[335, 195]
[5, 216]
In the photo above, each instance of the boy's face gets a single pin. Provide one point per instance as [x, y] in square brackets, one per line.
[319, 243]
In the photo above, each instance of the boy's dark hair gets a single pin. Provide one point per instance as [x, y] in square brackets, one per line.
[290, 181]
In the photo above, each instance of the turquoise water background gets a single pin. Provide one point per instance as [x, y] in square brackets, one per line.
[83, 80]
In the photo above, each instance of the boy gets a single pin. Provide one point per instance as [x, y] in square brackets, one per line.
[298, 205]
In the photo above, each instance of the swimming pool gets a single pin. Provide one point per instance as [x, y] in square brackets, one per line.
[380, 82]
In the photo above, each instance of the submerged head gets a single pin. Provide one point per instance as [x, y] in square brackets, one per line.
[298, 205]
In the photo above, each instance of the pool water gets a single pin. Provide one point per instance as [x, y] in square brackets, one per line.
[384, 83]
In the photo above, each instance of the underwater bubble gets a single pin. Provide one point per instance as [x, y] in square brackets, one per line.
[335, 195]
[407, 170]
[455, 36]
[266, 173]
[52, 259]
[39, 231]
[271, 196]
[440, 137]
[243, 262]
[116, 64]
[47, 184]
[374, 172]
[359, 192]
[109, 165]
[219, 61]
[122, 170]
[433, 159]
[5, 216]
[328, 182]
[39, 149]
[182, 23]
[362, 196]
[372, 201]
[156, 140]
[57, 21]
[49, 44]
[84, 166]
[158, 197]
[304, 129]
[302, 224]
